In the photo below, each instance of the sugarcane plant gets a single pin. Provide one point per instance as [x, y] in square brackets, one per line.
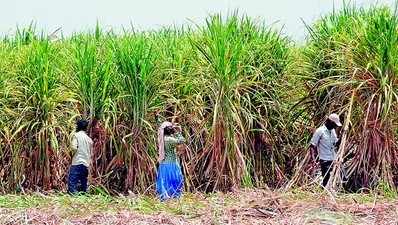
[139, 89]
[239, 92]
[40, 116]
[352, 55]
[93, 79]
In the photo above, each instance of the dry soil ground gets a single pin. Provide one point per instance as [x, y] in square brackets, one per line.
[242, 207]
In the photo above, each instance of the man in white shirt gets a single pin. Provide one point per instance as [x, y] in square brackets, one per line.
[82, 146]
[324, 143]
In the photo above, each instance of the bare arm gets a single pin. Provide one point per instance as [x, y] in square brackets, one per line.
[313, 153]
[161, 155]
[175, 139]
[314, 143]
[179, 139]
[338, 143]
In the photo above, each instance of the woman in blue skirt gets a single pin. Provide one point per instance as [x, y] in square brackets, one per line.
[169, 182]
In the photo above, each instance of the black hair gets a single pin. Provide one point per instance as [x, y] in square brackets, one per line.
[169, 130]
[81, 125]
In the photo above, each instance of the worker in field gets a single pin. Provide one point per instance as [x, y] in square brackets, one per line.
[169, 181]
[324, 143]
[82, 147]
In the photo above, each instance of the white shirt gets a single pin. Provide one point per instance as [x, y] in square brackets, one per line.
[83, 145]
[325, 141]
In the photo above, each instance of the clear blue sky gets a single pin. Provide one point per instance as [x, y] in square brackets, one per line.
[81, 15]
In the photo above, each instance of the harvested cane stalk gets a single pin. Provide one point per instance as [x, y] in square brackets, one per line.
[335, 180]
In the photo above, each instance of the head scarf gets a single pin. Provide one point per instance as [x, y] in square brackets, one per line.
[161, 135]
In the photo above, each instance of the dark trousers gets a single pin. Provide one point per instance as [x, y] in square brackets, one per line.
[326, 168]
[77, 179]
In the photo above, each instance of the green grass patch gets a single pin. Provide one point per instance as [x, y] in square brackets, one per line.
[80, 205]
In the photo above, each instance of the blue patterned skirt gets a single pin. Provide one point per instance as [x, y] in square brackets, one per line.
[169, 181]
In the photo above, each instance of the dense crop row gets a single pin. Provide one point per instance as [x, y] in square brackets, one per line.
[245, 96]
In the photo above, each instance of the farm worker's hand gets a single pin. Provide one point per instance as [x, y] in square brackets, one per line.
[177, 128]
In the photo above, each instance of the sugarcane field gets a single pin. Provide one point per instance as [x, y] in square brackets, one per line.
[230, 120]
